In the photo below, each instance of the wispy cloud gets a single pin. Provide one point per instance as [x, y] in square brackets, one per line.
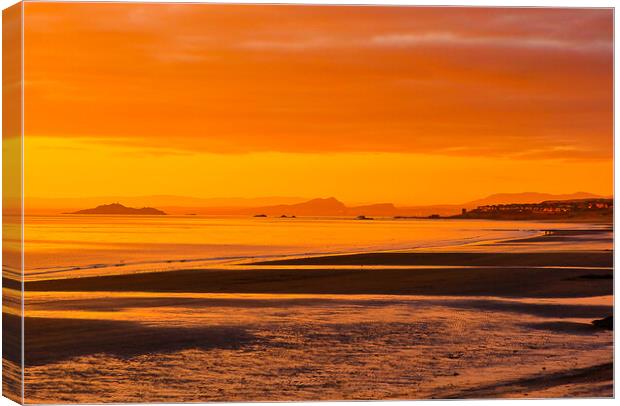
[427, 39]
[292, 44]
[450, 38]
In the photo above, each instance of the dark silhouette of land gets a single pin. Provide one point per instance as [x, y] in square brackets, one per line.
[582, 209]
[529, 197]
[276, 207]
[333, 207]
[117, 208]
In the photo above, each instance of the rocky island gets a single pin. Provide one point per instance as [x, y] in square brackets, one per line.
[117, 208]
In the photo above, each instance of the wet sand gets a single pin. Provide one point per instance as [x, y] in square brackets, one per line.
[213, 347]
[516, 259]
[439, 325]
[492, 274]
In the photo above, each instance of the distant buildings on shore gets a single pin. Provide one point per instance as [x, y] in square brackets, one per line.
[552, 208]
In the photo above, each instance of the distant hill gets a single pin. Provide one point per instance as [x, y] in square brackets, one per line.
[333, 207]
[116, 208]
[171, 204]
[329, 207]
[528, 197]
[315, 207]
[379, 209]
[294, 206]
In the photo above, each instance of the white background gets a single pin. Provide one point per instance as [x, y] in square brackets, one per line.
[512, 3]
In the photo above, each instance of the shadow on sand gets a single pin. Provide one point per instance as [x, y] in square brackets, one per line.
[55, 339]
[594, 374]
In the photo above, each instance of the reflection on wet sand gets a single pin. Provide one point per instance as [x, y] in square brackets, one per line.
[274, 347]
[507, 325]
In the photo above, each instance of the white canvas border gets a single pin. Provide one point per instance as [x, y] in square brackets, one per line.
[477, 3]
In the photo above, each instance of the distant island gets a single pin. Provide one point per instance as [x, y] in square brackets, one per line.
[276, 207]
[504, 206]
[117, 208]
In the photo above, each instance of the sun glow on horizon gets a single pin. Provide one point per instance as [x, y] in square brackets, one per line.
[363, 177]
[411, 105]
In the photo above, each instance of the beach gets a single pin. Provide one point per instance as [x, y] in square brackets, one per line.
[494, 319]
[545, 275]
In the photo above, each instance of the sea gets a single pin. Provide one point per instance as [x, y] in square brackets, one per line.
[64, 246]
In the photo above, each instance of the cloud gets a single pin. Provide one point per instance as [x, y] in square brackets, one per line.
[449, 38]
[291, 44]
[427, 39]
[238, 79]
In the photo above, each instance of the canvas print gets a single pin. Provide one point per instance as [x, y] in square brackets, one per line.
[229, 202]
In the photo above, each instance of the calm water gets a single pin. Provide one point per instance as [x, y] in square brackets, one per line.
[68, 245]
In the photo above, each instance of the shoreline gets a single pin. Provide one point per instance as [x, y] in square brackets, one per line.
[571, 236]
[534, 273]
[530, 275]
[176, 264]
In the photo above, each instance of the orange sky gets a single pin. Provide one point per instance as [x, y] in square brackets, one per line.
[409, 105]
